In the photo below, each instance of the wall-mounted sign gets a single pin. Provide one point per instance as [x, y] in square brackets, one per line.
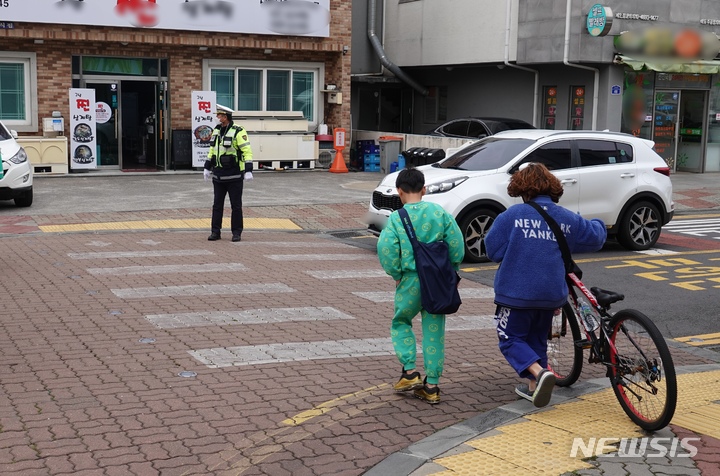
[577, 107]
[636, 16]
[657, 42]
[599, 20]
[299, 17]
[615, 90]
[550, 107]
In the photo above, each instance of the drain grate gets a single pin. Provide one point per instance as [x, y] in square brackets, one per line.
[349, 234]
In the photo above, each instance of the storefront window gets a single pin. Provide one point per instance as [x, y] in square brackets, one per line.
[249, 86]
[222, 81]
[265, 89]
[12, 91]
[278, 87]
[18, 90]
[637, 112]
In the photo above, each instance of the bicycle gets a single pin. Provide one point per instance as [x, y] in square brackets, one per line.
[627, 343]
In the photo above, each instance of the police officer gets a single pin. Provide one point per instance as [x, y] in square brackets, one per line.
[229, 163]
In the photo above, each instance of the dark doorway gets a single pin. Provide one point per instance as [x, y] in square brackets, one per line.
[139, 145]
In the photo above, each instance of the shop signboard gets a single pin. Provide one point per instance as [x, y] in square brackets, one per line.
[299, 17]
[203, 122]
[550, 107]
[83, 148]
[577, 107]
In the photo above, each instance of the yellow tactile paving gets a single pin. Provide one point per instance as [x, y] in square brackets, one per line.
[550, 433]
[701, 339]
[202, 223]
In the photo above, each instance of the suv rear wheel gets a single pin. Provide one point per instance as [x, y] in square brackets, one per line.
[640, 227]
[474, 228]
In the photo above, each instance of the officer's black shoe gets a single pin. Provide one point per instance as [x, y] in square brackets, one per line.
[236, 238]
[214, 237]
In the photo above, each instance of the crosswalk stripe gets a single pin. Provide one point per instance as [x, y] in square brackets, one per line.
[293, 352]
[137, 254]
[201, 290]
[364, 273]
[168, 269]
[296, 244]
[255, 316]
[389, 296]
[322, 257]
[219, 357]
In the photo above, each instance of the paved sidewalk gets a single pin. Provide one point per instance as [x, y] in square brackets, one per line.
[75, 400]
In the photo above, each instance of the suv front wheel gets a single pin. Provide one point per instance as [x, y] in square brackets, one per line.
[640, 227]
[474, 228]
[25, 199]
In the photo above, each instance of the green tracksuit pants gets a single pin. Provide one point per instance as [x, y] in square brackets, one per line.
[407, 306]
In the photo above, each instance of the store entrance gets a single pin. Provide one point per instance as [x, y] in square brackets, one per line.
[679, 126]
[129, 124]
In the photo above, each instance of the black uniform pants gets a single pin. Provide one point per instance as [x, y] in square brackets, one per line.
[234, 188]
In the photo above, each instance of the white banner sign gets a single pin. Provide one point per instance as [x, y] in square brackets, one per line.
[203, 123]
[268, 17]
[83, 153]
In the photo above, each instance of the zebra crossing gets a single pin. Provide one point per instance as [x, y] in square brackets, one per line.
[291, 351]
[701, 228]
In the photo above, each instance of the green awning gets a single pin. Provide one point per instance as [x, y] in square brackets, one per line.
[669, 66]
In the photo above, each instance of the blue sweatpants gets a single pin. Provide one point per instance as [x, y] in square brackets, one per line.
[523, 337]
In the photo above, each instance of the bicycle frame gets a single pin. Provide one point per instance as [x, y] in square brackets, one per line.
[597, 352]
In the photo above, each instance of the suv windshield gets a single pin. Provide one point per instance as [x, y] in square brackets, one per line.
[488, 154]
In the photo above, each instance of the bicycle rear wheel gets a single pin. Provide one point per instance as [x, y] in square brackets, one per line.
[642, 373]
[565, 359]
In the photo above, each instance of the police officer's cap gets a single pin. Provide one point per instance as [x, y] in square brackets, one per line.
[220, 109]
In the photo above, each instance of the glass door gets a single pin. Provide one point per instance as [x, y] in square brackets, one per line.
[665, 122]
[691, 136]
[108, 119]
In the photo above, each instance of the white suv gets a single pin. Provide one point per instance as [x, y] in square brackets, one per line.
[615, 177]
[16, 182]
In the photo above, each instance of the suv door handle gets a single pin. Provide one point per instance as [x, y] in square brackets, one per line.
[627, 175]
[570, 180]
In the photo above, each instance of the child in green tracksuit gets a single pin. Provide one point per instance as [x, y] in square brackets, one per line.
[431, 223]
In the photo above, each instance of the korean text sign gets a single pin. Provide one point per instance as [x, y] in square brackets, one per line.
[83, 151]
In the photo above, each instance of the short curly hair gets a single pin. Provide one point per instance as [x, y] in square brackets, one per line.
[532, 180]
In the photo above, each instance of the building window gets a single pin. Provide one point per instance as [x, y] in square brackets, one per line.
[18, 91]
[266, 87]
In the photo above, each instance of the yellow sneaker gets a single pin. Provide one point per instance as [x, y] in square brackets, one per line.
[430, 395]
[408, 382]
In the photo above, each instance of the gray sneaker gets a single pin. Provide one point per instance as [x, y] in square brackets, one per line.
[543, 390]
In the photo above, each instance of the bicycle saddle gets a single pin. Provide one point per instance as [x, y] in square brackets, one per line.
[605, 297]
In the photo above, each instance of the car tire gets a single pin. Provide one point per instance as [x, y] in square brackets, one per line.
[474, 228]
[25, 199]
[640, 227]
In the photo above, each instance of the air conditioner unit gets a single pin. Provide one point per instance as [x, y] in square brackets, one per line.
[325, 158]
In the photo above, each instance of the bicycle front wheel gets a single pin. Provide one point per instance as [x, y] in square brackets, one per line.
[565, 359]
[642, 373]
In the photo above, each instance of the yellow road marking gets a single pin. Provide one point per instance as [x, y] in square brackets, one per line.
[250, 223]
[325, 407]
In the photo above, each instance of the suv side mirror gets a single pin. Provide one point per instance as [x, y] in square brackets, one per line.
[14, 134]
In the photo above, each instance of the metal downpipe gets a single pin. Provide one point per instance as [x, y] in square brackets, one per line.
[536, 102]
[380, 51]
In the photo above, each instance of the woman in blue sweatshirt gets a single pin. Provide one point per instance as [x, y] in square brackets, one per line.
[530, 282]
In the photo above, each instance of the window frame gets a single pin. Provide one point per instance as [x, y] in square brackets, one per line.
[29, 62]
[316, 68]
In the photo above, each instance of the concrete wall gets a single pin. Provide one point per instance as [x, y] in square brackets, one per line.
[455, 32]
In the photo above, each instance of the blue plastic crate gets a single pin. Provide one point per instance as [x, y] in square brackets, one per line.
[372, 167]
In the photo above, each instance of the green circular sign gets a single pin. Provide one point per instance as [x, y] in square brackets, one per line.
[599, 20]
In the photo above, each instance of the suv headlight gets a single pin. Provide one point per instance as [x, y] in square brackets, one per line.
[444, 186]
[20, 157]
